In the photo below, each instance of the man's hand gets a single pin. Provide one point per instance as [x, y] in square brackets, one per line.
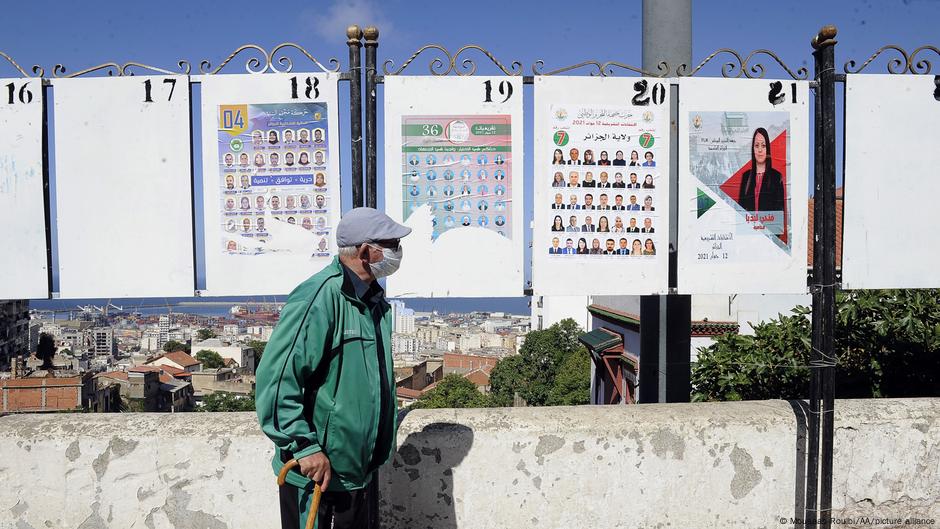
[316, 467]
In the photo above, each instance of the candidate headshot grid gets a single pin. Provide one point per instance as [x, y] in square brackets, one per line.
[460, 168]
[279, 176]
[604, 203]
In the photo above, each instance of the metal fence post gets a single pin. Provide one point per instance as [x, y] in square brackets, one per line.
[372, 42]
[354, 41]
[822, 363]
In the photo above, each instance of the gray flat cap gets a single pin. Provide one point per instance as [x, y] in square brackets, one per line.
[361, 225]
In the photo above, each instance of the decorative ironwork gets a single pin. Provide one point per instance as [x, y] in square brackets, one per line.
[603, 69]
[893, 64]
[467, 66]
[37, 70]
[251, 66]
[922, 66]
[288, 65]
[119, 70]
[744, 66]
[267, 61]
[907, 63]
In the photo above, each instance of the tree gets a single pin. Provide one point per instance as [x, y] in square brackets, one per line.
[173, 345]
[45, 350]
[454, 391]
[887, 344]
[205, 334]
[769, 365]
[505, 380]
[534, 372]
[210, 359]
[572, 385]
[258, 347]
[222, 401]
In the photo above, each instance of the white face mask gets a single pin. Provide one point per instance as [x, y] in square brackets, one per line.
[391, 260]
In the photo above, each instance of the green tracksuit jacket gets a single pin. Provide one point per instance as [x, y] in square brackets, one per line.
[319, 386]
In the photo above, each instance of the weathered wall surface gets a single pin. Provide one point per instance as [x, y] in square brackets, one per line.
[681, 465]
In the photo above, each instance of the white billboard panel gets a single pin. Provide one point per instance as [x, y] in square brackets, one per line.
[22, 210]
[743, 186]
[601, 186]
[453, 173]
[123, 186]
[271, 184]
[890, 238]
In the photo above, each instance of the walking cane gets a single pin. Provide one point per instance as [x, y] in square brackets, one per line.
[314, 504]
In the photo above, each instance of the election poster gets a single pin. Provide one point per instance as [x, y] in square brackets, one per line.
[891, 137]
[21, 192]
[453, 174]
[743, 186]
[601, 222]
[271, 182]
[123, 187]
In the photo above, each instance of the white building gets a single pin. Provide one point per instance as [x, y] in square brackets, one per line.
[245, 356]
[150, 340]
[403, 318]
[404, 345]
[164, 329]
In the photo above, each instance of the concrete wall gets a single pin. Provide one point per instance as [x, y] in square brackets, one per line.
[674, 465]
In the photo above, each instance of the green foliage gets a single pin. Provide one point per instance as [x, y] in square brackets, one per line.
[552, 368]
[887, 343]
[573, 382]
[205, 334]
[505, 379]
[173, 345]
[769, 365]
[45, 350]
[454, 391]
[221, 401]
[258, 346]
[210, 359]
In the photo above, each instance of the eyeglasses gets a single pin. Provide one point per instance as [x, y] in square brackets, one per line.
[391, 244]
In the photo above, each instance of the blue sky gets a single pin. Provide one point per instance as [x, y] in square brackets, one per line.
[83, 34]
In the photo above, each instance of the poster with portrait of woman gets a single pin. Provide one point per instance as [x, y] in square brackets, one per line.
[743, 185]
[270, 180]
[453, 164]
[601, 186]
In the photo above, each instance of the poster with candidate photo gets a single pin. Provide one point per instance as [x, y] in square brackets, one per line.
[21, 192]
[273, 181]
[453, 149]
[601, 186]
[743, 185]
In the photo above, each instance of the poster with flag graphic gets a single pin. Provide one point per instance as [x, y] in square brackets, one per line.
[743, 186]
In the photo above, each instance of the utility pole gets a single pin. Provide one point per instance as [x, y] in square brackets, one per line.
[666, 321]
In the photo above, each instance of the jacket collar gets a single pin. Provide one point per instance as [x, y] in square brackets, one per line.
[375, 292]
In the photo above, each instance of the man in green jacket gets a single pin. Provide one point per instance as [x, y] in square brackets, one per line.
[325, 388]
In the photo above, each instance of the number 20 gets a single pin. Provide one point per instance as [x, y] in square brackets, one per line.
[641, 98]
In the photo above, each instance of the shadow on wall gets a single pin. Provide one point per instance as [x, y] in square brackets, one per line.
[422, 481]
